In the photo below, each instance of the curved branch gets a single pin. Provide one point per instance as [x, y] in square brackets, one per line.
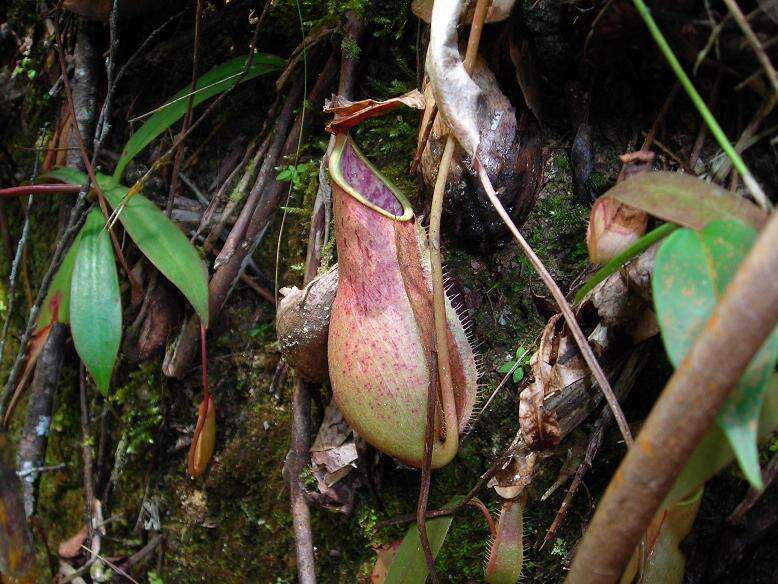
[738, 327]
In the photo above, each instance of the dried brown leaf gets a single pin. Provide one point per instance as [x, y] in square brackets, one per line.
[384, 556]
[456, 94]
[71, 547]
[350, 113]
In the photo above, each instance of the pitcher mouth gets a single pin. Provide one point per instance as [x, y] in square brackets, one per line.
[355, 174]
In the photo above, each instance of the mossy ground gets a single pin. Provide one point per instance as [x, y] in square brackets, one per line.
[233, 524]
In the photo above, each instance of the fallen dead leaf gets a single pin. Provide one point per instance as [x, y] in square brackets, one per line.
[71, 547]
[350, 113]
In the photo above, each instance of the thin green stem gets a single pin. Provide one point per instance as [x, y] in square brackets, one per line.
[636, 248]
[749, 180]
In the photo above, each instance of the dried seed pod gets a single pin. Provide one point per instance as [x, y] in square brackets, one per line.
[507, 551]
[613, 227]
[204, 439]
[381, 330]
[302, 325]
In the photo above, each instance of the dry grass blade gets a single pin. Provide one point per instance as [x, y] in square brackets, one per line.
[761, 55]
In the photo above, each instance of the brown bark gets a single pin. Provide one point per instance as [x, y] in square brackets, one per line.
[17, 555]
[31, 453]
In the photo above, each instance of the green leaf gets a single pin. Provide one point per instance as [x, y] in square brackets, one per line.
[520, 352]
[685, 200]
[691, 272]
[68, 175]
[95, 305]
[56, 305]
[217, 80]
[714, 452]
[164, 245]
[156, 236]
[636, 248]
[518, 375]
[506, 367]
[409, 565]
[285, 175]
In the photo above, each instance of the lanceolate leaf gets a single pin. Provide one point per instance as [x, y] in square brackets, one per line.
[217, 80]
[69, 176]
[685, 200]
[156, 236]
[409, 565]
[164, 245]
[56, 305]
[95, 304]
[691, 272]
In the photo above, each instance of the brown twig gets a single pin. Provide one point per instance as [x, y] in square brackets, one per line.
[88, 460]
[484, 479]
[301, 514]
[699, 142]
[745, 138]
[660, 116]
[624, 384]
[687, 407]
[478, 504]
[87, 163]
[761, 55]
[426, 468]
[299, 454]
[442, 362]
[564, 307]
[769, 474]
[55, 189]
[424, 136]
[175, 179]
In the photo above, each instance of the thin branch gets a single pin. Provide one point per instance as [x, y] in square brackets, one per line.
[442, 361]
[564, 307]
[751, 184]
[17, 260]
[688, 405]
[761, 55]
[188, 115]
[53, 189]
[103, 125]
[141, 50]
[478, 504]
[497, 465]
[87, 164]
